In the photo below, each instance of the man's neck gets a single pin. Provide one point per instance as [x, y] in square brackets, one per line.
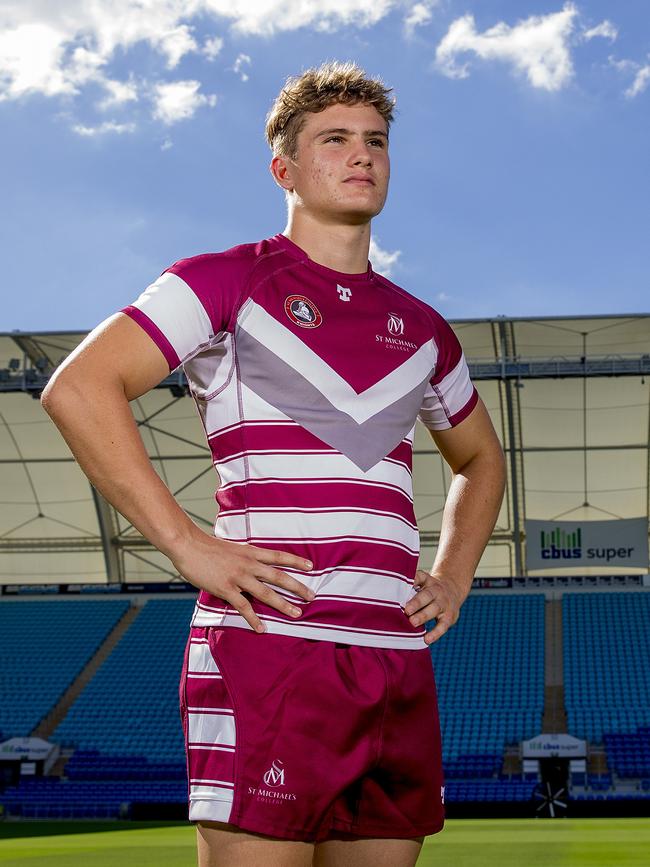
[337, 246]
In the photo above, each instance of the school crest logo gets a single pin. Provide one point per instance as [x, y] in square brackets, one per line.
[303, 312]
[275, 774]
[395, 324]
[270, 793]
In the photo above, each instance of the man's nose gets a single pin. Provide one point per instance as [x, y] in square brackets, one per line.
[362, 155]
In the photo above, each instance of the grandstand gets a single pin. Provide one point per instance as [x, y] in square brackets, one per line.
[544, 683]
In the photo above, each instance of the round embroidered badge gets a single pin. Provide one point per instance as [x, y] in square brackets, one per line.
[301, 311]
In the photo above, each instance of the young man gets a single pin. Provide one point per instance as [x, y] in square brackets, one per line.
[307, 694]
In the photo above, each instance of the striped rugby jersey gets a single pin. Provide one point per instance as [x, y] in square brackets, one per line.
[309, 383]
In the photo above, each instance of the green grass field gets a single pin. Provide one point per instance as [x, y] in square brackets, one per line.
[463, 843]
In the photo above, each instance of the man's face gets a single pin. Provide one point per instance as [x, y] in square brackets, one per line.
[342, 167]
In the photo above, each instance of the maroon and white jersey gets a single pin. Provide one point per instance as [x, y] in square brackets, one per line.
[309, 383]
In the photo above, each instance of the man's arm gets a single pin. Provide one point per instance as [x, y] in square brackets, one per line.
[88, 399]
[477, 463]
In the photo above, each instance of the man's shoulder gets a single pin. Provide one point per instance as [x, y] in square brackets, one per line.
[234, 263]
[407, 299]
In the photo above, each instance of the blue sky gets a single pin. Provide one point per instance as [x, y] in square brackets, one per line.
[132, 135]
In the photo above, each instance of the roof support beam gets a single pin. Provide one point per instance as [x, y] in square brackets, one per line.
[514, 452]
[31, 380]
[109, 531]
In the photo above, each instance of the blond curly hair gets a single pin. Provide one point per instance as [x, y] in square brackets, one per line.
[316, 89]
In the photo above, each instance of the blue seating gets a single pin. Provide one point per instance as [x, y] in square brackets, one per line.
[518, 791]
[629, 754]
[50, 797]
[489, 672]
[93, 765]
[125, 725]
[43, 647]
[130, 708]
[606, 675]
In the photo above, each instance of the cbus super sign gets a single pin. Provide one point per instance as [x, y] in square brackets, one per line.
[560, 545]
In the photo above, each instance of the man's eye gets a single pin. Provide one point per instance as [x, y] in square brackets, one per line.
[333, 137]
[377, 141]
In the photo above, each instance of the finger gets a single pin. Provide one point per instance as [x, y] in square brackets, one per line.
[269, 597]
[433, 635]
[281, 558]
[243, 606]
[420, 600]
[433, 611]
[282, 579]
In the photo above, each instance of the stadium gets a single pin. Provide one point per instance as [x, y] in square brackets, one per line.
[544, 685]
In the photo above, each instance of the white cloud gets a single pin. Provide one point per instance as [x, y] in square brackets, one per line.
[382, 260]
[176, 43]
[57, 47]
[179, 100]
[52, 48]
[167, 144]
[31, 56]
[442, 296]
[119, 92]
[238, 68]
[418, 15]
[38, 39]
[622, 65]
[605, 29]
[641, 74]
[537, 46]
[640, 83]
[212, 47]
[103, 128]
[266, 17]
[85, 65]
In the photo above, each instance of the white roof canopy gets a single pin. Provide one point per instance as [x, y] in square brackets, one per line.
[569, 398]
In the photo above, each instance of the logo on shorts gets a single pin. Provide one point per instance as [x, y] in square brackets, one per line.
[301, 311]
[275, 774]
[442, 794]
[273, 777]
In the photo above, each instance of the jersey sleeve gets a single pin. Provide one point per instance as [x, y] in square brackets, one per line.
[450, 395]
[186, 307]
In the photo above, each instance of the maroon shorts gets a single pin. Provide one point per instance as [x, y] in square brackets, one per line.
[308, 740]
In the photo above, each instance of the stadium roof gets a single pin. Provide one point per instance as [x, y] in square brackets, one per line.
[569, 398]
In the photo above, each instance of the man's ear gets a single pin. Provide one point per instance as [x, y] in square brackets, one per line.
[280, 168]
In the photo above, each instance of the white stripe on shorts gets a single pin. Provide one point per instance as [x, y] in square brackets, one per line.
[210, 729]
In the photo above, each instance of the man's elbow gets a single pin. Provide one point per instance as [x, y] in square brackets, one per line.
[488, 458]
[60, 391]
[488, 467]
[492, 457]
[50, 395]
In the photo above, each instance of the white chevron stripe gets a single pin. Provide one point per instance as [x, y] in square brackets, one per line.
[286, 345]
